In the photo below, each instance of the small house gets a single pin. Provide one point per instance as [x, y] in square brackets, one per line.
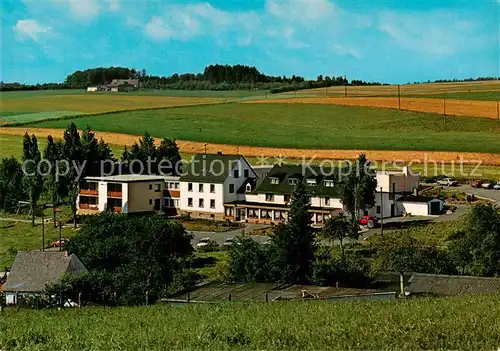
[33, 270]
[451, 285]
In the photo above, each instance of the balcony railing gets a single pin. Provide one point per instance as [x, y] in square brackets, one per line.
[115, 193]
[117, 209]
[88, 192]
[88, 207]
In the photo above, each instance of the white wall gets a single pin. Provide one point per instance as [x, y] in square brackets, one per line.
[206, 195]
[103, 195]
[416, 208]
[125, 197]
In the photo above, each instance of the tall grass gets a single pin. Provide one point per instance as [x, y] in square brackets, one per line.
[471, 323]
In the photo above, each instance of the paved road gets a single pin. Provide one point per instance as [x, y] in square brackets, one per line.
[492, 194]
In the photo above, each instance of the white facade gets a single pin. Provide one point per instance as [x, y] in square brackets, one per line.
[421, 208]
[210, 197]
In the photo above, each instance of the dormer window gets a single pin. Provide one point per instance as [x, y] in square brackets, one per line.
[292, 181]
[329, 183]
[248, 188]
[274, 180]
[311, 181]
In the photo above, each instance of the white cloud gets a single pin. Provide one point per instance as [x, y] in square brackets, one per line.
[157, 29]
[30, 28]
[81, 9]
[307, 12]
[436, 33]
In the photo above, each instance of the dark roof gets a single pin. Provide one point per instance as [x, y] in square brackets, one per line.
[122, 82]
[32, 270]
[416, 198]
[211, 168]
[286, 172]
[258, 291]
[451, 285]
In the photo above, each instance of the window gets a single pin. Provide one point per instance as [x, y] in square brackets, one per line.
[176, 185]
[212, 188]
[292, 181]
[176, 203]
[378, 209]
[327, 201]
[287, 198]
[190, 202]
[270, 197]
[328, 183]
[236, 173]
[200, 188]
[212, 203]
[190, 186]
[201, 203]
[274, 180]
[231, 188]
[248, 188]
[245, 173]
[150, 186]
[150, 201]
[157, 188]
[311, 182]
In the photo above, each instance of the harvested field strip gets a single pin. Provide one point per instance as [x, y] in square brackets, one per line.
[406, 89]
[95, 103]
[474, 108]
[192, 147]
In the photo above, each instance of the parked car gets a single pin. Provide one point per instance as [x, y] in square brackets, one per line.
[447, 182]
[487, 185]
[496, 186]
[368, 221]
[476, 184]
[228, 243]
[207, 244]
[59, 243]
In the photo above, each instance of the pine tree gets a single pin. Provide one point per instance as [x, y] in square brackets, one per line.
[293, 244]
[33, 180]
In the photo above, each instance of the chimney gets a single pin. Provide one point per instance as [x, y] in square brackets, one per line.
[415, 191]
[406, 170]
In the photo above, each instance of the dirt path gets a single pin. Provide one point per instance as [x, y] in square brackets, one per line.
[192, 147]
[474, 108]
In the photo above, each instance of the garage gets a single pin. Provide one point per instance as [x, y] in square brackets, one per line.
[421, 205]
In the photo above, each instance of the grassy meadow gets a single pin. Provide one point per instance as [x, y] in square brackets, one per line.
[304, 126]
[22, 236]
[469, 323]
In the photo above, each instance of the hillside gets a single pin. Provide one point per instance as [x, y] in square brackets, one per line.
[470, 323]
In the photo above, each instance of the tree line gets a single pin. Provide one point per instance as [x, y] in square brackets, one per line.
[56, 172]
[213, 77]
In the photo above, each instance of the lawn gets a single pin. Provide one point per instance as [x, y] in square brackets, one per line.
[469, 323]
[303, 126]
[19, 236]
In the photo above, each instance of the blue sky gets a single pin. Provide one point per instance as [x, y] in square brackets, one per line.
[393, 41]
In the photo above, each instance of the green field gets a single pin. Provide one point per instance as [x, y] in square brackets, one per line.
[303, 126]
[20, 236]
[470, 323]
[11, 145]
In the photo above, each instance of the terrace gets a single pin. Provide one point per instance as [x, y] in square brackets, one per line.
[88, 203]
[114, 190]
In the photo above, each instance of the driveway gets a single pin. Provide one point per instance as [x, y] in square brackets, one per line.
[220, 237]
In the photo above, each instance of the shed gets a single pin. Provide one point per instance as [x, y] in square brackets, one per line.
[33, 270]
[451, 285]
[421, 205]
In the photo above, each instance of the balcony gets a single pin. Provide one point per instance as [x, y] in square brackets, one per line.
[117, 209]
[88, 207]
[117, 194]
[92, 192]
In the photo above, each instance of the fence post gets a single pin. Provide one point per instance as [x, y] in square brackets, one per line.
[399, 96]
[189, 296]
[229, 297]
[267, 298]
[147, 298]
[79, 300]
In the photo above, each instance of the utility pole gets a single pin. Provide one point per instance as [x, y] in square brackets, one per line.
[381, 212]
[399, 96]
[43, 233]
[345, 90]
[498, 111]
[444, 111]
[60, 235]
[205, 148]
